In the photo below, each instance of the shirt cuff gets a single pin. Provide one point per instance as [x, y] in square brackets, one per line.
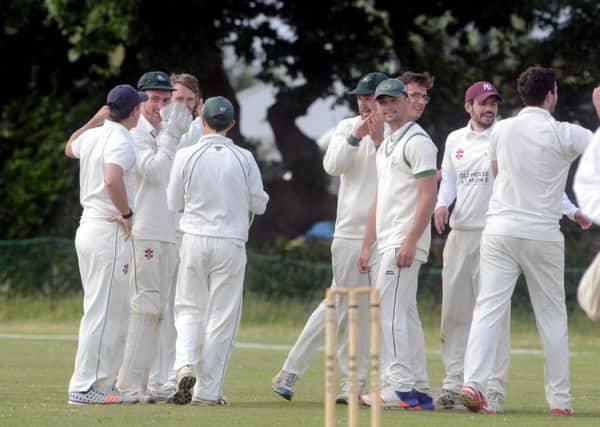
[352, 140]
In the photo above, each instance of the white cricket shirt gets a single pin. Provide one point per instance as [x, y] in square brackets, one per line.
[109, 143]
[356, 167]
[404, 156]
[154, 156]
[216, 184]
[192, 135]
[587, 180]
[534, 153]
[467, 176]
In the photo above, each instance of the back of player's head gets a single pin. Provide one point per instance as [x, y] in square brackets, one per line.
[218, 113]
[121, 101]
[534, 83]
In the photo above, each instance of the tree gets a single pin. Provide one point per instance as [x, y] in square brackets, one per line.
[66, 54]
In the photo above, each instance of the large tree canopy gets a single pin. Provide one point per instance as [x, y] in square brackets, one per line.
[65, 54]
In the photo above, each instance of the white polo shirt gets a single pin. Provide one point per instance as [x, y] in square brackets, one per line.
[355, 165]
[534, 153]
[587, 180]
[467, 176]
[109, 143]
[216, 184]
[404, 156]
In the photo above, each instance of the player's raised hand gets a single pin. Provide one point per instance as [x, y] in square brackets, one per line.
[361, 130]
[596, 100]
[376, 127]
[440, 219]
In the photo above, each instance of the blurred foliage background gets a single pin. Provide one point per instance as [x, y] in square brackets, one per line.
[62, 56]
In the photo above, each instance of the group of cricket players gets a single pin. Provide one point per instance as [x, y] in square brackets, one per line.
[167, 198]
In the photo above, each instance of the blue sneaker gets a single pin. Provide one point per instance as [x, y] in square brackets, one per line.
[425, 401]
[408, 399]
[283, 383]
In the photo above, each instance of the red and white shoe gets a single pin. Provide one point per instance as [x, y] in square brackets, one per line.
[473, 399]
[560, 412]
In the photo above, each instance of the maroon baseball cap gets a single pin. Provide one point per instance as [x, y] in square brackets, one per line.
[481, 91]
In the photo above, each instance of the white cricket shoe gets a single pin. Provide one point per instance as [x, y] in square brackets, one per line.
[394, 399]
[185, 383]
[495, 403]
[342, 397]
[283, 382]
[448, 399]
[94, 397]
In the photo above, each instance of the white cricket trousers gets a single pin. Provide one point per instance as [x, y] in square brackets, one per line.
[208, 306]
[154, 270]
[105, 262]
[162, 375]
[344, 260]
[403, 344]
[503, 258]
[460, 287]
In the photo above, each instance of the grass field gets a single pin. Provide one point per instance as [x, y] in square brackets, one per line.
[34, 376]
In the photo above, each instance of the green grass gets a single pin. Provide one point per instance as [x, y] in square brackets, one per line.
[34, 377]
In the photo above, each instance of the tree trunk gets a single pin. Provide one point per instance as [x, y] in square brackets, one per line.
[299, 202]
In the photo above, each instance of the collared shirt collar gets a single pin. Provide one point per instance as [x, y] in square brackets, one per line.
[535, 110]
[474, 134]
[145, 125]
[215, 138]
[401, 129]
[112, 124]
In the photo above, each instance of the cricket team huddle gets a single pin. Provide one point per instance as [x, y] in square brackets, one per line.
[167, 198]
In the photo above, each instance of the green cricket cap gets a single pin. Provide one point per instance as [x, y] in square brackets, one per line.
[367, 84]
[219, 111]
[155, 80]
[391, 87]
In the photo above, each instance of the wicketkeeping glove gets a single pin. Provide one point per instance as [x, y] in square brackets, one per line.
[176, 119]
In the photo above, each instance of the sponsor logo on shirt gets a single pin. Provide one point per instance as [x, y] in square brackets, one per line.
[459, 153]
[389, 273]
[474, 177]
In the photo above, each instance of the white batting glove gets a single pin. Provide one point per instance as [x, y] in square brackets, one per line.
[176, 119]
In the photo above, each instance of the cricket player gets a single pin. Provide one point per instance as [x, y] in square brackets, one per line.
[531, 154]
[587, 178]
[351, 156]
[417, 86]
[586, 187]
[161, 381]
[399, 219]
[107, 160]
[217, 185]
[155, 253]
[467, 178]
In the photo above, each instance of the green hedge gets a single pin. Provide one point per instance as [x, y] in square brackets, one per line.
[48, 267]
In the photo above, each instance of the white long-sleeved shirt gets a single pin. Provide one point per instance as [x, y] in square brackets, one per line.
[356, 167]
[467, 177]
[587, 180]
[216, 184]
[534, 153]
[155, 152]
[109, 143]
[192, 135]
